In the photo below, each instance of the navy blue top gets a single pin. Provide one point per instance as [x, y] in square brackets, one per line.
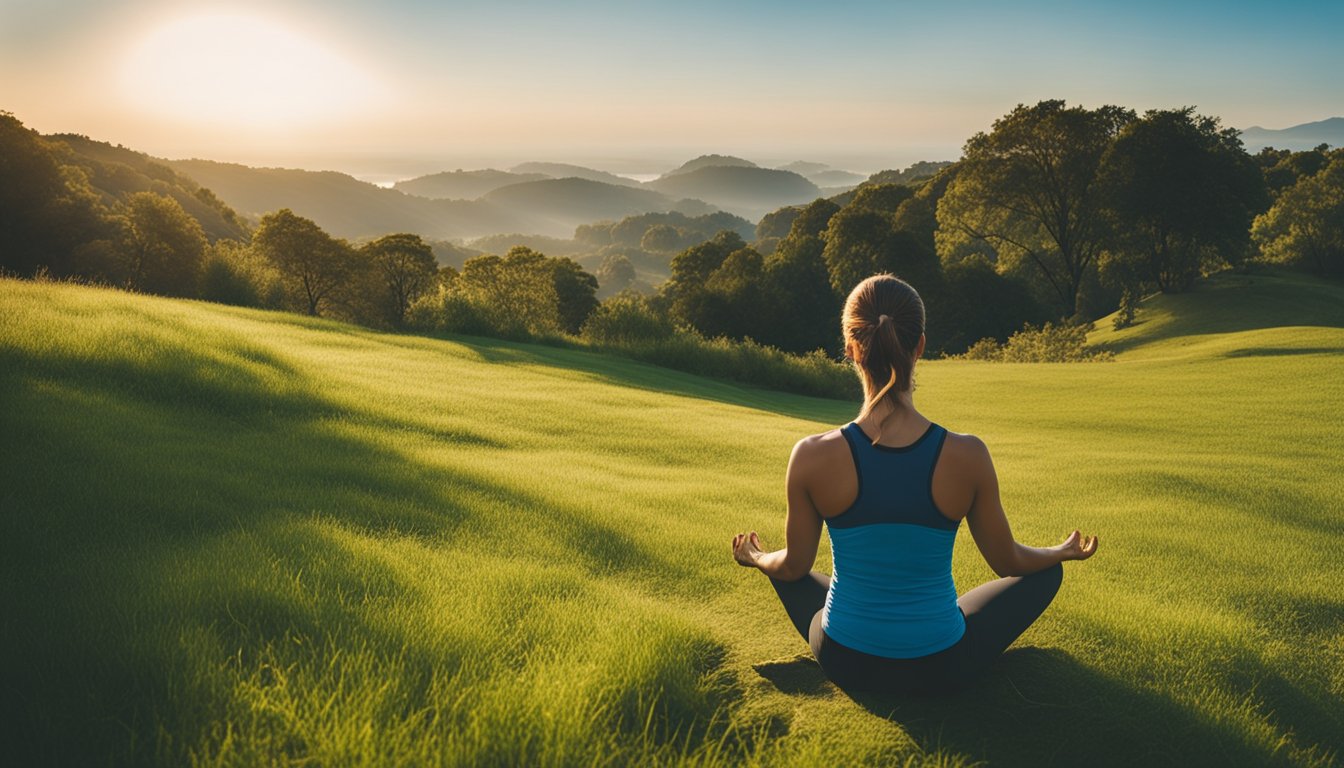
[891, 591]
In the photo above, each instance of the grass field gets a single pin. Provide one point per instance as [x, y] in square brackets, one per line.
[240, 538]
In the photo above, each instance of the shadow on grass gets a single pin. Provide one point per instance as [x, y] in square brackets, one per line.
[633, 373]
[222, 460]
[1283, 351]
[1040, 706]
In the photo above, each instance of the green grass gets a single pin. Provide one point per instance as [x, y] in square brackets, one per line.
[239, 538]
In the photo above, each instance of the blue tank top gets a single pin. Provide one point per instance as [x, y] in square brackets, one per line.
[891, 590]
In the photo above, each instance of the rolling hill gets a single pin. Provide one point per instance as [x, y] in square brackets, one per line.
[566, 171]
[347, 207]
[115, 173]
[710, 161]
[463, 185]
[237, 537]
[747, 191]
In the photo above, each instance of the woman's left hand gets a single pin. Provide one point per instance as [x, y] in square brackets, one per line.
[747, 549]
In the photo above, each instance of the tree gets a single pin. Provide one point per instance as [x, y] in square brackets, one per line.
[1182, 193]
[1029, 189]
[576, 291]
[861, 242]
[814, 218]
[511, 296]
[313, 265]
[407, 268]
[1306, 224]
[802, 312]
[885, 198]
[615, 274]
[687, 291]
[47, 210]
[777, 223]
[979, 303]
[163, 246]
[661, 238]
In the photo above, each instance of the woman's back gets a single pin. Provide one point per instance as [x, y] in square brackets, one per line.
[892, 592]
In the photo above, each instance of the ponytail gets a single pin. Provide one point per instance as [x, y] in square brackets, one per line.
[879, 312]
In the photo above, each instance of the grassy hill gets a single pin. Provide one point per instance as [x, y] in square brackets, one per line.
[1264, 314]
[238, 538]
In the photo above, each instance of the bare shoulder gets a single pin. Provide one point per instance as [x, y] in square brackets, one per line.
[966, 452]
[820, 450]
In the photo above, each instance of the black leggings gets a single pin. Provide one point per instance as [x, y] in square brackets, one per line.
[996, 614]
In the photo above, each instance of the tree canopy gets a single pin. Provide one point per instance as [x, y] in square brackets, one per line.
[1029, 190]
[1181, 192]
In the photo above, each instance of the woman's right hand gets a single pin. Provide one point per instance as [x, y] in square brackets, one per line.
[1076, 547]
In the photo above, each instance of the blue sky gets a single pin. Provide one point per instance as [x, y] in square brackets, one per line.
[629, 83]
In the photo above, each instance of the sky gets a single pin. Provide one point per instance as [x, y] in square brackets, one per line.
[399, 87]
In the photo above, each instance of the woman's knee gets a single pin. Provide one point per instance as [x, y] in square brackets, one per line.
[1051, 578]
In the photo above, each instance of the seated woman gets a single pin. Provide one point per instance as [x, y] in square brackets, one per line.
[892, 488]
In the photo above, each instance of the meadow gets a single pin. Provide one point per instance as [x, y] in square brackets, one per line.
[233, 537]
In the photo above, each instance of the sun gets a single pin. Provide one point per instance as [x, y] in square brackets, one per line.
[232, 70]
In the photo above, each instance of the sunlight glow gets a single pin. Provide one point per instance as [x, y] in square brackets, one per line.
[229, 69]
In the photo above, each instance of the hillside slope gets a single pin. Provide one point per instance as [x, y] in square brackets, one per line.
[241, 538]
[1267, 312]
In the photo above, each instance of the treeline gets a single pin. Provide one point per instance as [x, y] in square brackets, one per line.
[1057, 214]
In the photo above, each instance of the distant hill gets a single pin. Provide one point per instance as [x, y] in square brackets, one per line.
[1296, 138]
[836, 178]
[557, 206]
[711, 161]
[804, 168]
[924, 169]
[345, 206]
[565, 170]
[463, 185]
[747, 191]
[116, 173]
[824, 175]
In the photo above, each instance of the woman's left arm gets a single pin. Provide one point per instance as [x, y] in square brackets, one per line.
[803, 526]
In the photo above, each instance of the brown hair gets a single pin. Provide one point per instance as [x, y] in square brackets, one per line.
[882, 323]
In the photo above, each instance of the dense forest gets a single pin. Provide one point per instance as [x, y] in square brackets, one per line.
[1056, 213]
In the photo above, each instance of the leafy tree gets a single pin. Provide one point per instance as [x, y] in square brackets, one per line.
[162, 246]
[313, 265]
[1305, 226]
[576, 292]
[662, 238]
[686, 291]
[615, 274]
[802, 312]
[814, 218]
[778, 223]
[1183, 193]
[510, 296]
[884, 198]
[47, 211]
[1283, 168]
[1029, 190]
[978, 303]
[407, 269]
[862, 242]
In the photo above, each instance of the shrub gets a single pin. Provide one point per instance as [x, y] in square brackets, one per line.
[1048, 344]
[627, 319]
[1128, 306]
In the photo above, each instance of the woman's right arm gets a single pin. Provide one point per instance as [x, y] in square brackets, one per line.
[989, 527]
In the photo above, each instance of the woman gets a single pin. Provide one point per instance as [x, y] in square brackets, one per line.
[892, 488]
